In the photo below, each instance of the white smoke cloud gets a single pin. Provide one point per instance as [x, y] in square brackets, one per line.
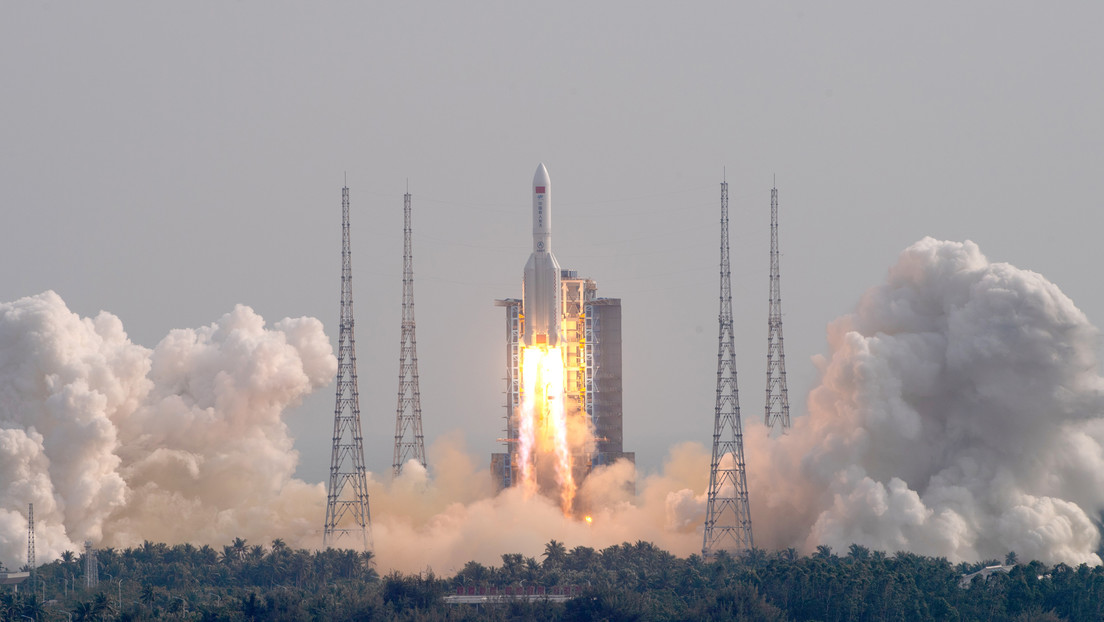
[116, 443]
[420, 522]
[959, 414]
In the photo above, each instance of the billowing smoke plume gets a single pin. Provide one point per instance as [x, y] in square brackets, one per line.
[959, 415]
[444, 522]
[116, 443]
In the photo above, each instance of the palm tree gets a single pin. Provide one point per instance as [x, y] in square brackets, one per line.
[755, 557]
[554, 554]
[473, 573]
[581, 558]
[7, 604]
[107, 557]
[368, 562]
[824, 552]
[207, 555]
[238, 548]
[69, 562]
[511, 566]
[227, 556]
[83, 611]
[101, 606]
[858, 552]
[33, 608]
[149, 551]
[148, 595]
[300, 566]
[532, 569]
[182, 607]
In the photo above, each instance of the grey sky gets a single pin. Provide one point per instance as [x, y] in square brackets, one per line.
[165, 162]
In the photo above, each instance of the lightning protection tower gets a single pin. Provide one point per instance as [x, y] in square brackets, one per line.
[31, 544]
[348, 491]
[408, 415]
[777, 406]
[727, 516]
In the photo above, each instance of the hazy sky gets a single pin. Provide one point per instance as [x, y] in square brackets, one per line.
[166, 162]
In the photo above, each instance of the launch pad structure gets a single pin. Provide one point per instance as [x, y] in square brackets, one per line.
[587, 329]
[592, 365]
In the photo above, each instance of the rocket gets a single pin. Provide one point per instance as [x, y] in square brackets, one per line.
[540, 288]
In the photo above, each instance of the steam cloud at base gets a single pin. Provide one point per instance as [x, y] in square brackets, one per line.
[959, 414]
[445, 523]
[116, 443]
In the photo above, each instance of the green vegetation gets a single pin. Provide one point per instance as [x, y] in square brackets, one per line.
[625, 582]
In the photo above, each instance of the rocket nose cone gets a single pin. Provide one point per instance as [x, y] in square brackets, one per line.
[540, 178]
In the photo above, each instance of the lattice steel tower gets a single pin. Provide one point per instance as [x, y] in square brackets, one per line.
[727, 516]
[91, 566]
[408, 415]
[348, 491]
[31, 545]
[777, 407]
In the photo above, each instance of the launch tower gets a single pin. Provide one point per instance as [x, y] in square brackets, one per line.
[561, 308]
[347, 497]
[777, 405]
[727, 516]
[408, 415]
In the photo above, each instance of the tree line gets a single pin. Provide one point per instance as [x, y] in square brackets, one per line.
[630, 581]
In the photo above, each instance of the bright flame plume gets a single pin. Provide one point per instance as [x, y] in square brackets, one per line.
[542, 425]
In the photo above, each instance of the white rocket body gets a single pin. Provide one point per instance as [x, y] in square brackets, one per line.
[540, 289]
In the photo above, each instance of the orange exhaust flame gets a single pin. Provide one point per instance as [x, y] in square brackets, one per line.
[542, 425]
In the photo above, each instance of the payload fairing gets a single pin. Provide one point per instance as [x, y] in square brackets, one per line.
[540, 288]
